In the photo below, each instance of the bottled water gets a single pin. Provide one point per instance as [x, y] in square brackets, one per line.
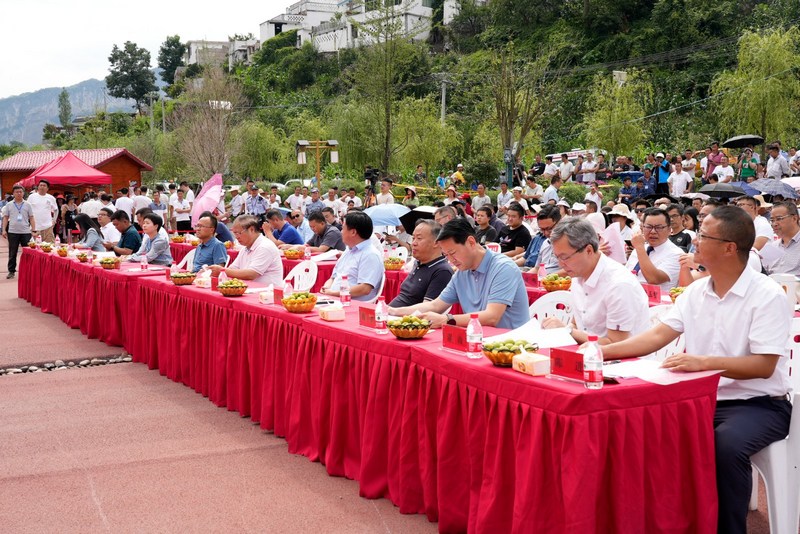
[344, 291]
[288, 289]
[381, 311]
[474, 337]
[143, 262]
[307, 253]
[57, 241]
[542, 274]
[593, 364]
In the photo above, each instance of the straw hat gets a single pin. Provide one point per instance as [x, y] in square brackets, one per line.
[623, 211]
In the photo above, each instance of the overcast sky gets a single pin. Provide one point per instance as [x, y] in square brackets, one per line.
[58, 43]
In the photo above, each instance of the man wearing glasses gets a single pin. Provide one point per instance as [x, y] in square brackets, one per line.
[609, 300]
[752, 408]
[210, 251]
[546, 219]
[785, 223]
[655, 259]
[259, 260]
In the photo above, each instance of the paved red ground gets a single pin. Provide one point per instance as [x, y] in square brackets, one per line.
[119, 448]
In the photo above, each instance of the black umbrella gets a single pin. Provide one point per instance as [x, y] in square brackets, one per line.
[741, 141]
[722, 191]
[409, 220]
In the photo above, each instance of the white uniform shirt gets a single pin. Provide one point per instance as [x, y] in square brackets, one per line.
[110, 233]
[139, 202]
[763, 228]
[91, 208]
[611, 298]
[339, 208]
[264, 258]
[566, 170]
[44, 206]
[384, 198]
[181, 204]
[237, 205]
[665, 258]
[679, 182]
[761, 326]
[295, 202]
[724, 174]
[125, 204]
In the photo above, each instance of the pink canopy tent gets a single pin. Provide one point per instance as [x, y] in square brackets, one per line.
[67, 170]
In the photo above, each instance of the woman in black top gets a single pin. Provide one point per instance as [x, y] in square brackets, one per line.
[68, 213]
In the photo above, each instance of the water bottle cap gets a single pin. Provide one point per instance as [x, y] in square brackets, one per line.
[381, 299]
[473, 315]
[591, 338]
[344, 277]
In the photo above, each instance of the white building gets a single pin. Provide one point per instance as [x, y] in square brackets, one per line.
[301, 16]
[206, 52]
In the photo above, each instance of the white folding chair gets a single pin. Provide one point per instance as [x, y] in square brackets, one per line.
[779, 463]
[673, 347]
[380, 291]
[187, 261]
[304, 275]
[554, 304]
[227, 260]
[401, 252]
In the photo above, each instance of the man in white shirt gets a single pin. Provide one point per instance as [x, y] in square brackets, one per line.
[385, 196]
[182, 211]
[689, 164]
[752, 408]
[91, 207]
[777, 166]
[594, 195]
[110, 233]
[551, 193]
[352, 197]
[295, 200]
[236, 204]
[550, 168]
[259, 260]
[589, 169]
[188, 194]
[566, 169]
[504, 195]
[141, 200]
[655, 259]
[609, 301]
[106, 201]
[333, 202]
[723, 171]
[680, 182]
[125, 203]
[158, 206]
[481, 199]
[533, 192]
[273, 190]
[764, 233]
[45, 209]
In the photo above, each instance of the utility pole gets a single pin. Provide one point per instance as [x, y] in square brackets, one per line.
[150, 94]
[444, 99]
[163, 118]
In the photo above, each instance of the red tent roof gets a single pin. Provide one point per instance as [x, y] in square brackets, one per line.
[28, 161]
[67, 170]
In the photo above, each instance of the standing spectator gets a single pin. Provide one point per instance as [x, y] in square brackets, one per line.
[295, 200]
[91, 207]
[236, 206]
[713, 158]
[689, 164]
[661, 174]
[44, 211]
[339, 208]
[352, 197]
[182, 210]
[723, 171]
[106, 201]
[141, 200]
[68, 212]
[777, 166]
[566, 169]
[680, 182]
[746, 166]
[458, 176]
[441, 180]
[551, 193]
[187, 192]
[627, 193]
[255, 204]
[550, 168]
[589, 169]
[420, 177]
[602, 168]
[537, 169]
[385, 196]
[125, 203]
[18, 223]
[158, 206]
[316, 203]
[481, 199]
[594, 194]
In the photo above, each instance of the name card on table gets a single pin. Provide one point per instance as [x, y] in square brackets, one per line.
[454, 338]
[566, 362]
[653, 293]
[278, 293]
[366, 316]
[531, 279]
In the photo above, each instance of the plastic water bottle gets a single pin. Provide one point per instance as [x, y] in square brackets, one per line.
[344, 291]
[57, 242]
[542, 274]
[593, 364]
[307, 253]
[288, 289]
[223, 277]
[474, 338]
[381, 311]
[90, 255]
[143, 262]
[173, 268]
[38, 239]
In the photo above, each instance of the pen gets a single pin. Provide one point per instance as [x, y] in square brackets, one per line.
[609, 362]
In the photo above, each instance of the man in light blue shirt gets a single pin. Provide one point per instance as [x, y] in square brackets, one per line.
[210, 251]
[486, 283]
[361, 262]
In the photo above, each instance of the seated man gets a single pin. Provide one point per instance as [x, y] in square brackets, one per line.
[655, 259]
[484, 232]
[330, 218]
[432, 272]
[752, 407]
[110, 233]
[300, 224]
[486, 283]
[515, 236]
[678, 235]
[362, 262]
[785, 224]
[326, 237]
[444, 215]
[279, 231]
[547, 219]
[259, 260]
[210, 251]
[130, 240]
[609, 301]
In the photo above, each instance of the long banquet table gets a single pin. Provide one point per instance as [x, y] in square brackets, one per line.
[475, 447]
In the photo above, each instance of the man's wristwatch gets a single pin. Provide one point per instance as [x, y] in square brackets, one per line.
[451, 320]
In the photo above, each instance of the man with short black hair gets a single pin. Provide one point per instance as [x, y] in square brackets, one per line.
[678, 235]
[130, 241]
[787, 228]
[431, 274]
[326, 237]
[546, 221]
[551, 193]
[45, 210]
[259, 260]
[107, 228]
[735, 320]
[279, 231]
[330, 218]
[362, 263]
[16, 224]
[316, 203]
[515, 236]
[484, 231]
[385, 196]
[210, 251]
[655, 259]
[485, 283]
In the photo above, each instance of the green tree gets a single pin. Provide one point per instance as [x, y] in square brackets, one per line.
[428, 142]
[761, 95]
[170, 57]
[383, 66]
[612, 120]
[259, 151]
[64, 109]
[130, 75]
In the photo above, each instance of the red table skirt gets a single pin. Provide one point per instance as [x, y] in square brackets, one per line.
[478, 448]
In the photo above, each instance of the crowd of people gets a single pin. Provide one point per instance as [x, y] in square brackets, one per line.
[720, 250]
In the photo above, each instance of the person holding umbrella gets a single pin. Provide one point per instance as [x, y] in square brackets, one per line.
[746, 166]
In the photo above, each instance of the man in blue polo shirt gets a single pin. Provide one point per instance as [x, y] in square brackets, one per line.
[279, 231]
[362, 263]
[486, 283]
[210, 251]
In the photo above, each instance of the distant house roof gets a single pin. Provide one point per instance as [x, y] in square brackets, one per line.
[94, 157]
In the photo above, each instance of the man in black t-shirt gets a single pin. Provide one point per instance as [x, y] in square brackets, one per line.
[514, 237]
[432, 272]
[537, 169]
[678, 235]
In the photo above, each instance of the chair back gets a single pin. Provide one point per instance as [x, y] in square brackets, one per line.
[187, 261]
[303, 275]
[557, 304]
[401, 252]
[380, 291]
[794, 381]
[673, 347]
